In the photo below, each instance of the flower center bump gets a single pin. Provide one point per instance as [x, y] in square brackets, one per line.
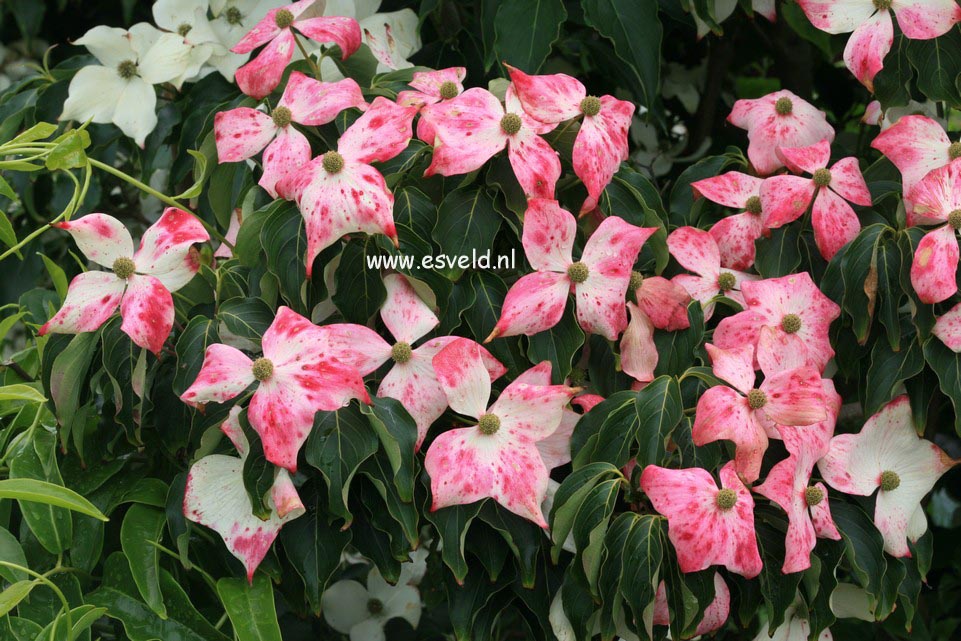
[184, 29]
[283, 19]
[882, 5]
[262, 369]
[726, 499]
[753, 205]
[401, 352]
[822, 177]
[375, 606]
[281, 117]
[784, 106]
[124, 268]
[510, 124]
[591, 106]
[791, 323]
[448, 90]
[333, 162]
[954, 151]
[890, 481]
[954, 219]
[813, 496]
[756, 399]
[637, 279]
[488, 424]
[578, 272]
[233, 15]
[127, 69]
[726, 281]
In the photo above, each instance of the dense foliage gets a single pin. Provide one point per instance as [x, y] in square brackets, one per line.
[706, 382]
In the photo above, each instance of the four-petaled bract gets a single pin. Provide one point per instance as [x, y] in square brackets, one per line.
[735, 234]
[140, 282]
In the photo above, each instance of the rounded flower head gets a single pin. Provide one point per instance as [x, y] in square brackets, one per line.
[362, 612]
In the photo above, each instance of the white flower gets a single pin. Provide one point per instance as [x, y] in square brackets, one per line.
[232, 20]
[794, 628]
[362, 612]
[120, 89]
[188, 19]
[392, 37]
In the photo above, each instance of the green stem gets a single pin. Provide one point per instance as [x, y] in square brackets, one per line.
[310, 61]
[50, 584]
[209, 580]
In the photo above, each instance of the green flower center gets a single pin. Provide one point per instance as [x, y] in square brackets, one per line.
[281, 117]
[401, 352]
[578, 272]
[882, 5]
[448, 90]
[375, 606]
[637, 279]
[784, 106]
[726, 499]
[488, 424]
[184, 29]
[591, 106]
[233, 15]
[510, 124]
[756, 399]
[124, 268]
[283, 19]
[791, 323]
[954, 151]
[890, 481]
[753, 205]
[822, 177]
[813, 496]
[954, 219]
[333, 162]
[577, 377]
[262, 369]
[127, 69]
[726, 281]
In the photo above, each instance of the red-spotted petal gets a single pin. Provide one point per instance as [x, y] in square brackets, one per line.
[867, 47]
[916, 145]
[794, 397]
[806, 159]
[289, 151]
[600, 147]
[732, 189]
[735, 236]
[937, 194]
[261, 75]
[926, 19]
[735, 365]
[102, 238]
[664, 302]
[147, 309]
[784, 199]
[837, 17]
[835, 223]
[464, 377]
[948, 328]
[533, 304]
[638, 352]
[167, 248]
[315, 103]
[549, 98]
[404, 313]
[339, 30]
[380, 134]
[535, 163]
[723, 414]
[548, 235]
[92, 298]
[226, 372]
[242, 133]
[848, 181]
[695, 250]
[468, 132]
[935, 265]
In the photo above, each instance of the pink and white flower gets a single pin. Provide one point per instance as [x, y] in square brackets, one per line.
[735, 235]
[261, 75]
[785, 198]
[889, 456]
[599, 280]
[661, 304]
[794, 307]
[715, 614]
[243, 132]
[779, 119]
[937, 198]
[471, 128]
[746, 414]
[340, 192]
[215, 497]
[431, 87]
[948, 328]
[304, 369]
[870, 20]
[697, 251]
[497, 458]
[140, 282]
[601, 142]
[708, 526]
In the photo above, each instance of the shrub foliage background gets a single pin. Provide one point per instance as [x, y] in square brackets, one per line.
[69, 415]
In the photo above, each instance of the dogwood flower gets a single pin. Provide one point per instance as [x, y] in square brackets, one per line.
[785, 198]
[120, 89]
[474, 126]
[362, 612]
[697, 251]
[707, 526]
[948, 328]
[497, 458]
[789, 485]
[796, 627]
[734, 235]
[392, 37]
[431, 87]
[870, 20]
[188, 19]
[779, 119]
[140, 282]
[216, 498]
[661, 304]
[339, 192]
[599, 280]
[601, 142]
[937, 197]
[261, 75]
[794, 307]
[917, 145]
[745, 414]
[243, 132]
[231, 21]
[715, 614]
[304, 369]
[887, 454]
